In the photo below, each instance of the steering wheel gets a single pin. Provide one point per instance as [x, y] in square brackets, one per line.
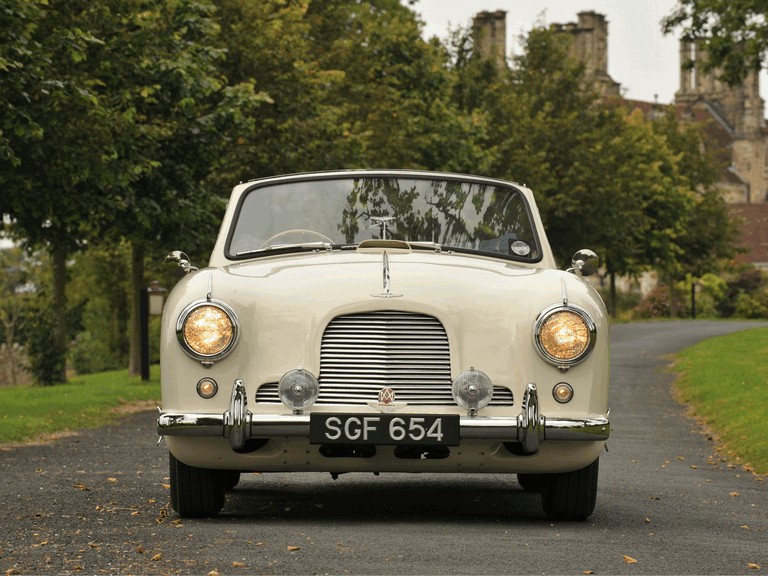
[296, 236]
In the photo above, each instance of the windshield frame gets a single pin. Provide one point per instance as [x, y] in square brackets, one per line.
[538, 246]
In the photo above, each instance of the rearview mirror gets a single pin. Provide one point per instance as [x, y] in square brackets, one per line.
[585, 262]
[182, 260]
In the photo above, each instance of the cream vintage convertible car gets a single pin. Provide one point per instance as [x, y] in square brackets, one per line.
[384, 321]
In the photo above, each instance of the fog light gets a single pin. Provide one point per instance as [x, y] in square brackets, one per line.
[207, 388]
[563, 392]
[472, 390]
[298, 390]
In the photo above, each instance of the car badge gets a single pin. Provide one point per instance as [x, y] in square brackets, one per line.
[387, 281]
[386, 402]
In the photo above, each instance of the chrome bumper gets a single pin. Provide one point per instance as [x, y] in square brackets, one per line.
[238, 424]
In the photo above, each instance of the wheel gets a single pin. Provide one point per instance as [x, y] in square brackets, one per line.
[231, 479]
[530, 482]
[570, 495]
[296, 236]
[196, 492]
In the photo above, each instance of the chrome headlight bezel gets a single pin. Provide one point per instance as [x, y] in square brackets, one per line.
[589, 325]
[188, 347]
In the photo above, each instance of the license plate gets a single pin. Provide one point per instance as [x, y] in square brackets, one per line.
[418, 429]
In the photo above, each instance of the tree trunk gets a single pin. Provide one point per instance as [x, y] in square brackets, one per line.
[137, 283]
[613, 295]
[60, 328]
[672, 301]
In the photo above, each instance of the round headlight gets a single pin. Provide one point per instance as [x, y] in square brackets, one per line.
[472, 390]
[564, 336]
[208, 330]
[298, 389]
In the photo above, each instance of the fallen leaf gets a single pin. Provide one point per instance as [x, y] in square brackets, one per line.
[735, 494]
[293, 548]
[629, 560]
[753, 566]
[140, 549]
[213, 573]
[647, 520]
[11, 572]
[82, 487]
[694, 467]
[157, 557]
[238, 564]
[112, 480]
[587, 572]
[745, 527]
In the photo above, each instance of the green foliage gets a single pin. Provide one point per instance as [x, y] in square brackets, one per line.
[47, 354]
[746, 295]
[724, 381]
[734, 34]
[736, 291]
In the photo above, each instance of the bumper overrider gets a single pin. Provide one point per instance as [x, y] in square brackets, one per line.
[529, 428]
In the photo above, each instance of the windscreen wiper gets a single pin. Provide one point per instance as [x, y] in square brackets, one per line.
[298, 247]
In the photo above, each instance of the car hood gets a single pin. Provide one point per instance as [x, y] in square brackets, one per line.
[342, 282]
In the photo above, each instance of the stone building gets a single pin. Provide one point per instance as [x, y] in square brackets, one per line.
[734, 117]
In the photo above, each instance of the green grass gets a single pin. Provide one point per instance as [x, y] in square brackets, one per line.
[36, 412]
[725, 382]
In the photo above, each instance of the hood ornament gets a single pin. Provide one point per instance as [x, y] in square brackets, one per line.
[382, 221]
[387, 293]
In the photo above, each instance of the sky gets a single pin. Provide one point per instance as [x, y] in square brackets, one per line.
[640, 58]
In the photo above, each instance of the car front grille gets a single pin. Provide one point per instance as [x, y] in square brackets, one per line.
[362, 353]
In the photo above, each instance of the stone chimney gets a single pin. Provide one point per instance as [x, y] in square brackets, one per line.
[490, 35]
[590, 47]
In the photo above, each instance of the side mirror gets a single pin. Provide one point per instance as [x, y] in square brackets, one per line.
[585, 262]
[182, 260]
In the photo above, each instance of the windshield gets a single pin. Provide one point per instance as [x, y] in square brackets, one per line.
[336, 213]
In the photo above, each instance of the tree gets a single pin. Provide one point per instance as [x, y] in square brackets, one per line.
[604, 176]
[159, 77]
[21, 63]
[52, 176]
[734, 33]
[396, 88]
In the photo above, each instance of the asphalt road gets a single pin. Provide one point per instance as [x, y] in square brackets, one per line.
[97, 502]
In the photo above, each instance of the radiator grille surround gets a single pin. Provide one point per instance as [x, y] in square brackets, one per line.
[362, 353]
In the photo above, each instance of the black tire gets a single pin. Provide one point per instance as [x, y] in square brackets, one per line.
[530, 482]
[195, 492]
[231, 479]
[571, 495]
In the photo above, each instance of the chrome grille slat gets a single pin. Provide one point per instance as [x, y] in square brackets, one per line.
[362, 353]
